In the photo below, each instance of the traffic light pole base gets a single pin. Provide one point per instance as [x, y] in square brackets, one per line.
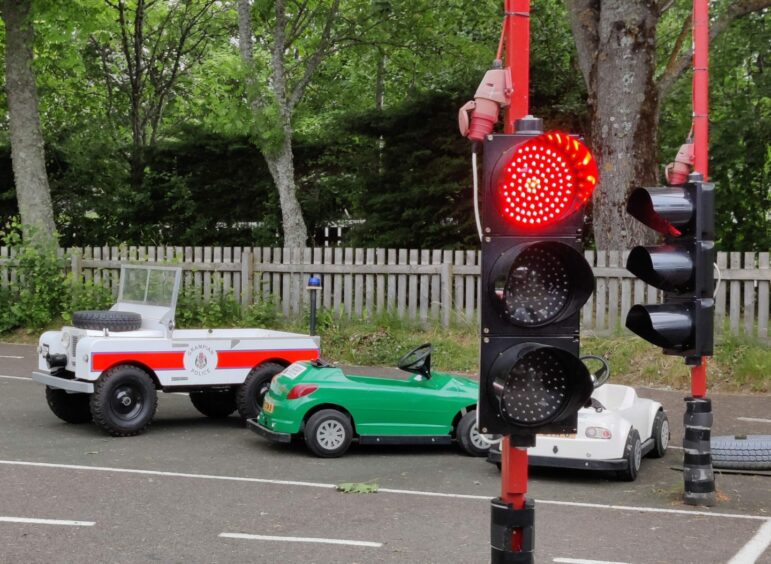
[505, 519]
[697, 460]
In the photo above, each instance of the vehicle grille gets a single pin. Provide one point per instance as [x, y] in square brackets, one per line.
[73, 347]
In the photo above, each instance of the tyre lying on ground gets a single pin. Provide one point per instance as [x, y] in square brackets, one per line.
[742, 452]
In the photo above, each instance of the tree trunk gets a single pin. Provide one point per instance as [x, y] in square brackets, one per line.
[280, 162]
[281, 166]
[616, 46]
[624, 124]
[27, 146]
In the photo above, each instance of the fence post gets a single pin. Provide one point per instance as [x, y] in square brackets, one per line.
[76, 266]
[247, 277]
[446, 299]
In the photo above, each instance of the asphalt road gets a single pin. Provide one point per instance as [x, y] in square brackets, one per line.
[198, 490]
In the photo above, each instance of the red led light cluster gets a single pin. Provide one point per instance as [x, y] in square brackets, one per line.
[546, 179]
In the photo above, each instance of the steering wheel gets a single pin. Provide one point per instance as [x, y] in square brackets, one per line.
[599, 376]
[417, 361]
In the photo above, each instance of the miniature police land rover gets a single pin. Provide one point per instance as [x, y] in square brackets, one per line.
[109, 365]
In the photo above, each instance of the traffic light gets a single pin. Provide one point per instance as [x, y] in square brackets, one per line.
[534, 281]
[682, 267]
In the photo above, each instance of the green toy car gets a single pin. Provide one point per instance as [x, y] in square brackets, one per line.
[331, 409]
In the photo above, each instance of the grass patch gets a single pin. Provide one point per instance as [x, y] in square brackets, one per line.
[739, 365]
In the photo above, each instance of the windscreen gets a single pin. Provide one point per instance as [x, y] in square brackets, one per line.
[149, 286]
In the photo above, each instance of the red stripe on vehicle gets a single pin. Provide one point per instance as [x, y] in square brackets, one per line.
[171, 360]
[248, 359]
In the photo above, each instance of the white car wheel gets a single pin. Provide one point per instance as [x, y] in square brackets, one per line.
[632, 457]
[328, 433]
[660, 435]
[468, 437]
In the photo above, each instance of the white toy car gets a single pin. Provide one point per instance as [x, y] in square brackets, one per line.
[613, 434]
[109, 366]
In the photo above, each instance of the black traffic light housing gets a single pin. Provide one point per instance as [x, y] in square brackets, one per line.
[683, 268]
[534, 282]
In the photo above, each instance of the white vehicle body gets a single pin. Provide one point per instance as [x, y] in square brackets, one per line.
[109, 366]
[175, 357]
[614, 434]
[179, 358]
[622, 409]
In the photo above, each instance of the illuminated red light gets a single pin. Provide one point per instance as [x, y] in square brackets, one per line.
[546, 179]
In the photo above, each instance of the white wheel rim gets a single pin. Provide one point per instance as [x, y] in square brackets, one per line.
[330, 434]
[664, 435]
[637, 455]
[476, 438]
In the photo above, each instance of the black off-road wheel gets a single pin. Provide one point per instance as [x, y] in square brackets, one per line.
[468, 436]
[124, 401]
[660, 435]
[72, 408]
[214, 404]
[252, 392]
[328, 433]
[116, 321]
[632, 456]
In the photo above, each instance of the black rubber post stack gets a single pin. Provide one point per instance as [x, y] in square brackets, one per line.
[504, 520]
[697, 461]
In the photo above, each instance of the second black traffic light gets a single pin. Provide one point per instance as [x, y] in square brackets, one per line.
[682, 268]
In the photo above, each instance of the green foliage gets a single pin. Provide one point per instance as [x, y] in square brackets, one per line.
[193, 311]
[358, 487]
[740, 129]
[262, 314]
[86, 296]
[223, 311]
[42, 292]
[416, 178]
[403, 167]
[37, 296]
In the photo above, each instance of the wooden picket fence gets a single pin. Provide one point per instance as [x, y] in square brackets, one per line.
[437, 285]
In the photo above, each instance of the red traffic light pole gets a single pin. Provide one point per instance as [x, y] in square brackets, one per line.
[516, 36]
[701, 135]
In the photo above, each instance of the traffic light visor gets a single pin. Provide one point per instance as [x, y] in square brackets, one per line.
[663, 209]
[665, 325]
[545, 179]
[667, 267]
[538, 384]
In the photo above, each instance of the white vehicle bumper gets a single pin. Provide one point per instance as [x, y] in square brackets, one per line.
[62, 383]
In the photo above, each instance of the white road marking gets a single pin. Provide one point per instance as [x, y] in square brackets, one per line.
[381, 490]
[170, 474]
[755, 548]
[675, 447]
[16, 377]
[9, 356]
[300, 539]
[754, 419]
[47, 521]
[652, 510]
[580, 561]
